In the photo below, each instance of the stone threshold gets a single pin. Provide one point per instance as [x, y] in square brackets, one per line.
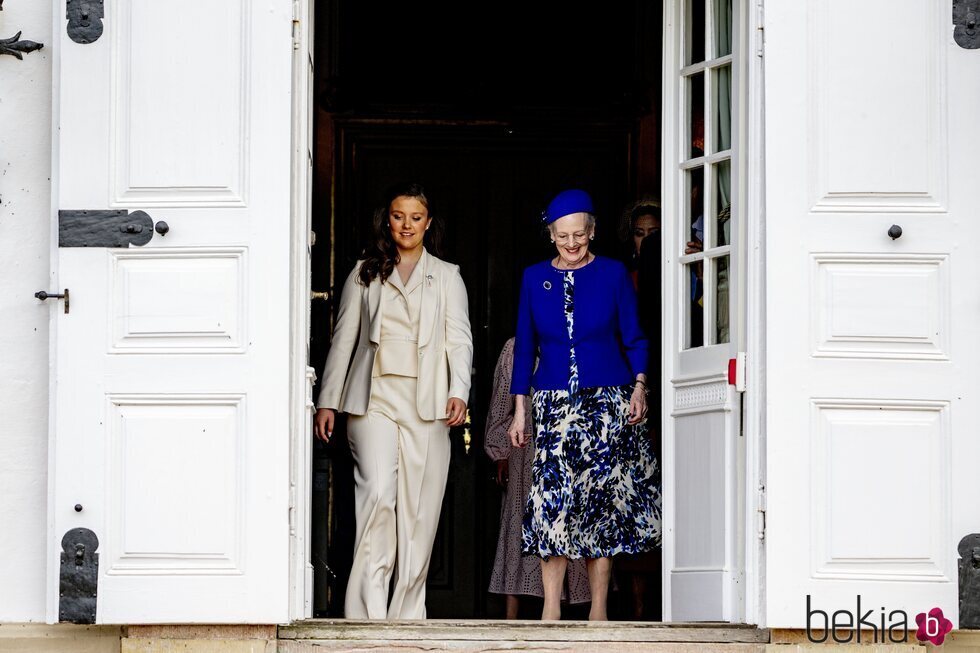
[435, 630]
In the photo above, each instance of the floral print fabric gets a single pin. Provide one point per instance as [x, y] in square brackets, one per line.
[595, 488]
[513, 572]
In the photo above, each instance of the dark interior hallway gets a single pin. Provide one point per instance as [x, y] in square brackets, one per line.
[493, 111]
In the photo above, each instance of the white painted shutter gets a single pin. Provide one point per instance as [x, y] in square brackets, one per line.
[170, 427]
[872, 350]
[702, 447]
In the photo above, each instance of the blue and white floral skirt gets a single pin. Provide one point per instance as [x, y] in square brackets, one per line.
[595, 482]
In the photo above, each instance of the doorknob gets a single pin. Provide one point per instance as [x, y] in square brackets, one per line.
[894, 232]
[321, 295]
[162, 228]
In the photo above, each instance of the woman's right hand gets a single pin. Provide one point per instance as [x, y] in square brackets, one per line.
[323, 423]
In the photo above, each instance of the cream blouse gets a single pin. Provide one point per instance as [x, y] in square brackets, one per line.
[399, 345]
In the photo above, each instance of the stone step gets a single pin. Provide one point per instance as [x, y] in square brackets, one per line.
[325, 635]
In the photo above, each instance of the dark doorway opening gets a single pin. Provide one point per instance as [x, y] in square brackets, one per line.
[493, 111]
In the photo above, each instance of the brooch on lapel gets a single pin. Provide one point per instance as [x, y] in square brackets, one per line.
[547, 285]
[428, 280]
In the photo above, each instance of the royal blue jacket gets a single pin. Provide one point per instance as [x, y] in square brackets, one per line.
[610, 347]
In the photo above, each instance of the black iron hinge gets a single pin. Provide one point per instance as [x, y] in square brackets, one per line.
[966, 15]
[78, 589]
[969, 549]
[84, 20]
[107, 228]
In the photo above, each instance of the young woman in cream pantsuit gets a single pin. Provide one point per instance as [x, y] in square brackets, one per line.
[399, 365]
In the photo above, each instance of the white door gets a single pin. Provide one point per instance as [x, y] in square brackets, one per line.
[702, 445]
[871, 340]
[170, 432]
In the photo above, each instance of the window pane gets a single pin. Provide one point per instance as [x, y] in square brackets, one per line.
[695, 31]
[694, 305]
[722, 205]
[721, 91]
[721, 269]
[692, 276]
[723, 27]
[695, 90]
[694, 237]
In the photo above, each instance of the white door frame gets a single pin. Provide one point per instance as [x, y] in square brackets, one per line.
[750, 311]
[301, 375]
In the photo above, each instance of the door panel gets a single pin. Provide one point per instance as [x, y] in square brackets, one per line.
[703, 449]
[871, 405]
[170, 428]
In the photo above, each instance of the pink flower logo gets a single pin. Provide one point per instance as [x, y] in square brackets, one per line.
[932, 626]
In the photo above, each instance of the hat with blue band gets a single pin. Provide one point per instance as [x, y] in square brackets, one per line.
[565, 203]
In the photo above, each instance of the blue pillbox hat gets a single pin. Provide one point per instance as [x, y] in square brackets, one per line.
[565, 203]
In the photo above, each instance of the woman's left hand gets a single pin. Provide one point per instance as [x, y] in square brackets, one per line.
[455, 411]
[638, 405]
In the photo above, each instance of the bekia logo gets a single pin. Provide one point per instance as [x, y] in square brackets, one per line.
[933, 626]
[885, 626]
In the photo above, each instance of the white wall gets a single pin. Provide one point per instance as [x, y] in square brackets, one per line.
[25, 209]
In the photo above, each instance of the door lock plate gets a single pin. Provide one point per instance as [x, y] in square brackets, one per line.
[966, 30]
[970, 581]
[79, 577]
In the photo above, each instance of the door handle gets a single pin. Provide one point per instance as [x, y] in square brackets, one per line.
[44, 294]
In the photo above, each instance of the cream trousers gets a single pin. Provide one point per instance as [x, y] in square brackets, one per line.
[401, 466]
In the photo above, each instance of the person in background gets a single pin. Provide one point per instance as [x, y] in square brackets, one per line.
[694, 245]
[642, 572]
[640, 219]
[399, 365]
[595, 488]
[515, 574]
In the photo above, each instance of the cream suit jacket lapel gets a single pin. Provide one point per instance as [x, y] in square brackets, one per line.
[430, 297]
[375, 309]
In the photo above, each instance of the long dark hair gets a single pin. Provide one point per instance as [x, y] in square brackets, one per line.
[381, 255]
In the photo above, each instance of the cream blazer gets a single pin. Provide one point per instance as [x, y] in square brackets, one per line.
[445, 342]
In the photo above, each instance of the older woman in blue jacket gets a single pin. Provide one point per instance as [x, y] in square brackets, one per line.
[595, 489]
